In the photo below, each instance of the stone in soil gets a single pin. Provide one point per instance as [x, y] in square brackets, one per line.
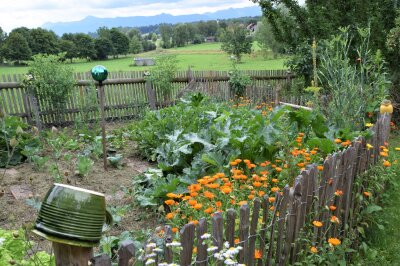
[21, 192]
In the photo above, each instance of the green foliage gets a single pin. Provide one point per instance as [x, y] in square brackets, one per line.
[14, 247]
[15, 48]
[15, 137]
[163, 73]
[351, 88]
[238, 82]
[236, 41]
[52, 82]
[84, 165]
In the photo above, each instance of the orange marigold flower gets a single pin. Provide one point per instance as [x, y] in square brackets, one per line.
[250, 166]
[383, 154]
[334, 241]
[195, 222]
[271, 199]
[233, 163]
[274, 189]
[339, 193]
[386, 163]
[226, 190]
[218, 204]
[301, 134]
[334, 219]
[169, 202]
[332, 207]
[243, 202]
[257, 254]
[261, 193]
[300, 164]
[198, 206]
[213, 185]
[236, 241]
[192, 202]
[175, 229]
[320, 167]
[278, 169]
[367, 194]
[209, 210]
[232, 201]
[194, 187]
[274, 180]
[317, 223]
[171, 195]
[187, 197]
[247, 161]
[313, 152]
[250, 197]
[257, 184]
[170, 215]
[194, 194]
[271, 208]
[263, 164]
[208, 194]
[337, 141]
[313, 249]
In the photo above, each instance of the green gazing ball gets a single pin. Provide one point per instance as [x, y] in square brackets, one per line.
[99, 73]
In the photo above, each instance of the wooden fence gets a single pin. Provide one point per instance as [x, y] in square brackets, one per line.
[127, 95]
[278, 233]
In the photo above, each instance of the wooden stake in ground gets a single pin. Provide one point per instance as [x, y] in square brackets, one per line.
[103, 125]
[67, 255]
[100, 73]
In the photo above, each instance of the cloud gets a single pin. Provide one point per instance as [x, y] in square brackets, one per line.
[33, 14]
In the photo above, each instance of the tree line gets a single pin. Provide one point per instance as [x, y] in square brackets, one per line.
[23, 43]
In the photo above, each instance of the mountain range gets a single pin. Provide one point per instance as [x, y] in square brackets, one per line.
[91, 23]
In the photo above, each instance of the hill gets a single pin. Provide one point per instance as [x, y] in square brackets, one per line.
[91, 23]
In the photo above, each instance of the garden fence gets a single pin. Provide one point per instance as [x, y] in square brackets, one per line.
[127, 94]
[277, 232]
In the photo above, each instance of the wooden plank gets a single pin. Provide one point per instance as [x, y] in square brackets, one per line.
[126, 253]
[349, 186]
[168, 254]
[281, 223]
[230, 227]
[71, 255]
[291, 234]
[263, 229]
[218, 231]
[244, 232]
[272, 230]
[253, 230]
[187, 242]
[101, 260]
[201, 258]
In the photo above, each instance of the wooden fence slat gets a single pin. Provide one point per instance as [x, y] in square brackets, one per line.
[218, 231]
[263, 230]
[126, 253]
[281, 224]
[201, 258]
[244, 232]
[230, 227]
[187, 242]
[253, 230]
[168, 255]
[101, 260]
[272, 230]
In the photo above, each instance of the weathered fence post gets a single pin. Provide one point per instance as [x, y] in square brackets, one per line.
[276, 95]
[71, 255]
[125, 253]
[35, 107]
[101, 260]
[150, 91]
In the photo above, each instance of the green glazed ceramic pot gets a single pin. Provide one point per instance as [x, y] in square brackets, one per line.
[73, 215]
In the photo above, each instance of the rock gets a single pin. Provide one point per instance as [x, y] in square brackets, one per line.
[21, 192]
[12, 172]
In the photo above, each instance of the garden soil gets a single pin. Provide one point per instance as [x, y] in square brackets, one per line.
[22, 184]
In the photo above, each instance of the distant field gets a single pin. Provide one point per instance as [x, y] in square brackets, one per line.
[206, 56]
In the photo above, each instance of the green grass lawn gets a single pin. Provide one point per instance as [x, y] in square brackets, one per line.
[206, 56]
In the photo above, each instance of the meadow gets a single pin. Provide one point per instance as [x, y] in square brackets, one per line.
[206, 56]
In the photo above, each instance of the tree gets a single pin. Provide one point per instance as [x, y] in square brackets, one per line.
[181, 35]
[266, 39]
[120, 42]
[69, 48]
[16, 48]
[166, 32]
[43, 41]
[84, 46]
[236, 41]
[148, 46]
[3, 36]
[104, 48]
[208, 28]
[135, 45]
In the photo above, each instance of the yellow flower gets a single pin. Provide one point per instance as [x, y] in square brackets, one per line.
[317, 223]
[313, 249]
[369, 124]
[397, 149]
[369, 146]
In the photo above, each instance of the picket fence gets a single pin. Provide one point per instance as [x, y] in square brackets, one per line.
[278, 237]
[127, 94]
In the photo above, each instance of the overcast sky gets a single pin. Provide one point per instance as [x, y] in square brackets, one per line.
[34, 13]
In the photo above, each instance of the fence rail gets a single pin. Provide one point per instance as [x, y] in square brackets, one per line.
[127, 93]
[278, 232]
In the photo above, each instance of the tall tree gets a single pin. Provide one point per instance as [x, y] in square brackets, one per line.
[104, 48]
[43, 41]
[120, 42]
[69, 48]
[166, 32]
[181, 35]
[16, 48]
[236, 41]
[84, 46]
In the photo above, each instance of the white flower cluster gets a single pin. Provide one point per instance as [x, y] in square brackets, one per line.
[228, 254]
